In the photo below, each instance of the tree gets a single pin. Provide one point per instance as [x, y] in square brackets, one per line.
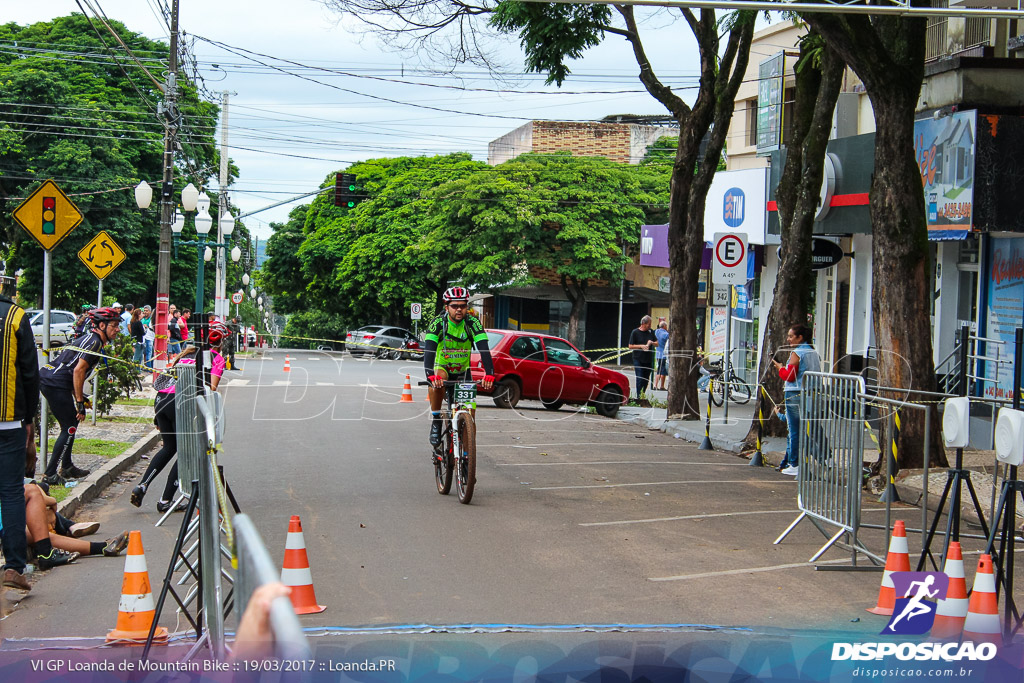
[68, 112]
[819, 76]
[569, 216]
[887, 53]
[552, 34]
[282, 271]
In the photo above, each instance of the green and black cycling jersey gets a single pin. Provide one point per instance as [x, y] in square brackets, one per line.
[448, 345]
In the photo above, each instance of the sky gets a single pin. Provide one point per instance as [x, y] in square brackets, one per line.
[290, 126]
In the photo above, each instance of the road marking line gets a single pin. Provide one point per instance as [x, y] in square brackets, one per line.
[648, 483]
[238, 382]
[615, 462]
[280, 383]
[674, 519]
[752, 570]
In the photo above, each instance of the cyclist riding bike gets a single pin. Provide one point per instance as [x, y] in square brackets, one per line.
[449, 341]
[62, 382]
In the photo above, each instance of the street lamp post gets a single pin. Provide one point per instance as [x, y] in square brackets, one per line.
[189, 200]
[203, 222]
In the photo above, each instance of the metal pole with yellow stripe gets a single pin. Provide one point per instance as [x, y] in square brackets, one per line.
[705, 445]
[890, 494]
[758, 458]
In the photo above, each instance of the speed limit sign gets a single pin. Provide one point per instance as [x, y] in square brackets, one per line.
[236, 298]
[415, 311]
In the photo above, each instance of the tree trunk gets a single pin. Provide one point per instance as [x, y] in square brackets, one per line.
[688, 194]
[797, 196]
[887, 53]
[900, 272]
[576, 291]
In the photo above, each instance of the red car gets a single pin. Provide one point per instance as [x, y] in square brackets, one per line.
[539, 366]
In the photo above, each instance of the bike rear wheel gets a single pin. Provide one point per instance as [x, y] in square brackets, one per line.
[465, 477]
[443, 464]
[739, 392]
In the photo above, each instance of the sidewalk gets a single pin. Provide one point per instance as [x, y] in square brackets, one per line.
[726, 435]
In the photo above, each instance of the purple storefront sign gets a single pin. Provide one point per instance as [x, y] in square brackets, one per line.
[654, 245]
[654, 250]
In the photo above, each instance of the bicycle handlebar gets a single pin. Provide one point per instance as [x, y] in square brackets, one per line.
[447, 383]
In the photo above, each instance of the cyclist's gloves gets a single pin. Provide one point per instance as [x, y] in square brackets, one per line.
[434, 378]
[489, 379]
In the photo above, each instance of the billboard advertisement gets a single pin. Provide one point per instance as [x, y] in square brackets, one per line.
[770, 90]
[945, 151]
[736, 203]
[1004, 313]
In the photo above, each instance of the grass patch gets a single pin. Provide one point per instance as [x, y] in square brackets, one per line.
[108, 449]
[129, 419]
[59, 492]
[135, 401]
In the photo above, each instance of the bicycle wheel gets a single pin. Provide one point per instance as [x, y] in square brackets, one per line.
[465, 478]
[716, 392]
[739, 392]
[443, 463]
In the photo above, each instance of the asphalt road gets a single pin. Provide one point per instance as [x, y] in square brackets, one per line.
[577, 519]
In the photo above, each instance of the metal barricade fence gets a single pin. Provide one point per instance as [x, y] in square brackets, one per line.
[256, 568]
[831, 449]
[190, 449]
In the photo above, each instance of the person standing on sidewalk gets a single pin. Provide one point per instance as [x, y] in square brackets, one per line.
[661, 355]
[803, 358]
[19, 400]
[642, 341]
[62, 381]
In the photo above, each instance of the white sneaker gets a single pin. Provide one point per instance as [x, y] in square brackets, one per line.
[792, 470]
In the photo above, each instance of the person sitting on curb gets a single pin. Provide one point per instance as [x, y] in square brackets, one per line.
[52, 549]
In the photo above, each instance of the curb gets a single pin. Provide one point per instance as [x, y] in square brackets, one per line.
[92, 486]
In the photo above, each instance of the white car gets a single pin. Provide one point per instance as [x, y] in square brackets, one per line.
[62, 326]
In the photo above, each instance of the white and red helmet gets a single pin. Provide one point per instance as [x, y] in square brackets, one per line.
[456, 294]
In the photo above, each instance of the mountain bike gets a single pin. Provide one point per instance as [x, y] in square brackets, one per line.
[456, 454]
[738, 390]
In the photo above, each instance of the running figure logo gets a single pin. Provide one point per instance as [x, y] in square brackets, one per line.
[917, 596]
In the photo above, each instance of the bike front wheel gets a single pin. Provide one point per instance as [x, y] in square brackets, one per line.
[716, 392]
[465, 476]
[443, 465]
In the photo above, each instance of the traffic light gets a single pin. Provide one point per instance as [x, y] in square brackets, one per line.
[49, 215]
[345, 190]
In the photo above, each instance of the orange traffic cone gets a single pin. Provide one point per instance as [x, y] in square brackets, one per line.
[982, 622]
[898, 560]
[951, 611]
[407, 391]
[136, 612]
[287, 364]
[296, 571]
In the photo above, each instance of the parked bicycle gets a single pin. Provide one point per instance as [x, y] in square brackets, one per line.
[456, 454]
[738, 390]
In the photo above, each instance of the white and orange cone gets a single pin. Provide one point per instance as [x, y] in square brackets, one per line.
[136, 611]
[982, 622]
[952, 610]
[898, 560]
[407, 391]
[296, 571]
[287, 363]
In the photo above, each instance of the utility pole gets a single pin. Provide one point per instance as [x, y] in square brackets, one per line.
[220, 304]
[163, 269]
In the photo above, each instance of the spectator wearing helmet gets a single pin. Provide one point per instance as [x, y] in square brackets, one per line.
[165, 420]
[62, 382]
[449, 341]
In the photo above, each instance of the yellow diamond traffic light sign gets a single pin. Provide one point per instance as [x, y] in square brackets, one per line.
[102, 255]
[48, 215]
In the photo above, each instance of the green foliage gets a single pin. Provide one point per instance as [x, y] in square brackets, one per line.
[68, 113]
[552, 33]
[116, 378]
[565, 213]
[433, 221]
